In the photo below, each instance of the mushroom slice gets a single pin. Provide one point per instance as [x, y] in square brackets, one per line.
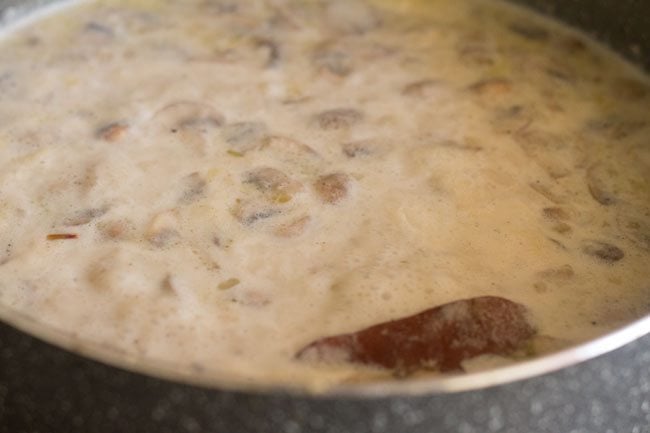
[332, 188]
[293, 228]
[363, 148]
[84, 216]
[249, 212]
[291, 151]
[440, 338]
[112, 132]
[602, 251]
[244, 136]
[188, 115]
[162, 230]
[193, 188]
[556, 154]
[421, 88]
[338, 118]
[635, 225]
[491, 87]
[337, 61]
[273, 181]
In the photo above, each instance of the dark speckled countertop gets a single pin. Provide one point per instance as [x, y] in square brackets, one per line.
[47, 390]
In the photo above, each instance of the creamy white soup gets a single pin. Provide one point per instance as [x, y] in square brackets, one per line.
[241, 189]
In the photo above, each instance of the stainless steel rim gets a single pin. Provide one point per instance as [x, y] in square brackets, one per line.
[442, 384]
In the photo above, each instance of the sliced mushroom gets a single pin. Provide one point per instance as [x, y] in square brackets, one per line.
[556, 213]
[332, 188]
[272, 180]
[491, 87]
[513, 119]
[117, 229]
[602, 251]
[272, 51]
[546, 192]
[615, 127]
[440, 338]
[363, 148]
[328, 57]
[476, 50]
[292, 152]
[98, 28]
[249, 212]
[635, 225]
[84, 216]
[193, 188]
[554, 153]
[476, 54]
[288, 147]
[419, 88]
[188, 115]
[338, 118]
[293, 228]
[244, 136]
[598, 188]
[112, 132]
[162, 230]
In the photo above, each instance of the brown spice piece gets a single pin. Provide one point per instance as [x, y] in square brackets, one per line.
[338, 118]
[61, 236]
[332, 188]
[440, 338]
[603, 251]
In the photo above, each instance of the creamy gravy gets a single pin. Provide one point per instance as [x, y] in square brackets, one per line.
[214, 184]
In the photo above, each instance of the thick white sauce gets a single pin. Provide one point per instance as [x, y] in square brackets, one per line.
[479, 150]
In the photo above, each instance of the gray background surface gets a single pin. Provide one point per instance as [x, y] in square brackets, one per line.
[44, 389]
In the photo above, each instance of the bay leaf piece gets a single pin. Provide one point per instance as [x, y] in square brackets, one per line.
[440, 338]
